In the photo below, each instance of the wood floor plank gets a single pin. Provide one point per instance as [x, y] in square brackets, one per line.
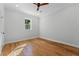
[42, 47]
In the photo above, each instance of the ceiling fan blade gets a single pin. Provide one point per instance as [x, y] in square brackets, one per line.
[35, 3]
[39, 4]
[43, 4]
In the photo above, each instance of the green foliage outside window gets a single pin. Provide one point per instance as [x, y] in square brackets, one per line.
[27, 24]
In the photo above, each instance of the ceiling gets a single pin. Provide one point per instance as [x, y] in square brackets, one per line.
[44, 10]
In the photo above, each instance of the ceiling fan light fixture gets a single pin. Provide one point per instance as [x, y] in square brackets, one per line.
[36, 13]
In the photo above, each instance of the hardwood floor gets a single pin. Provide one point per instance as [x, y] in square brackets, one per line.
[42, 47]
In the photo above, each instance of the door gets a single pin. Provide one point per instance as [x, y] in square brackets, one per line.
[1, 26]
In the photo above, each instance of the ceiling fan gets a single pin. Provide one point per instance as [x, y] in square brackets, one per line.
[40, 4]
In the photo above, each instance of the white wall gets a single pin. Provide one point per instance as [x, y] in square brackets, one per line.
[15, 26]
[1, 18]
[1, 26]
[62, 25]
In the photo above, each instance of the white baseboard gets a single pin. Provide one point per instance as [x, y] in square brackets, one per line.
[21, 40]
[59, 41]
[43, 38]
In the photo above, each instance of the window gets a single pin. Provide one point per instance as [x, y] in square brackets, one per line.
[27, 24]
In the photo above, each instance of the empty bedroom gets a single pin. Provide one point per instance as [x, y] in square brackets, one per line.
[39, 29]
